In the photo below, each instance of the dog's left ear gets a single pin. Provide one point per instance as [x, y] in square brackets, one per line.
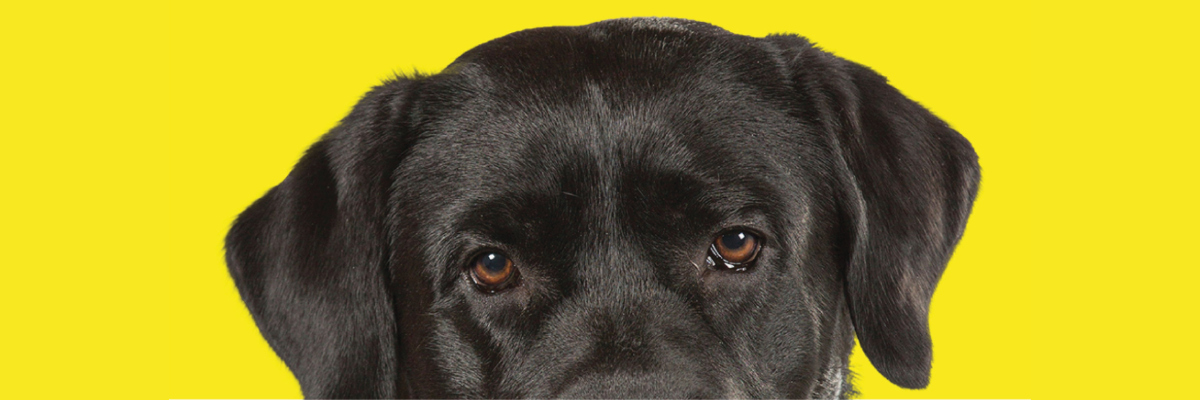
[908, 182]
[309, 257]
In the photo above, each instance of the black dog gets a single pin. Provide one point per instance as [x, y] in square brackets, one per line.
[641, 207]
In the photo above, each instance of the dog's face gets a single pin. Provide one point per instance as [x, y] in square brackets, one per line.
[633, 208]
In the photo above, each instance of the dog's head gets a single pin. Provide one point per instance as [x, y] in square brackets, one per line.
[629, 208]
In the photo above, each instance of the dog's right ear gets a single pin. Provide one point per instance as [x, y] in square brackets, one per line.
[309, 257]
[907, 183]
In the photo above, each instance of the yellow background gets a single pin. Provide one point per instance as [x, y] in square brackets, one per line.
[134, 133]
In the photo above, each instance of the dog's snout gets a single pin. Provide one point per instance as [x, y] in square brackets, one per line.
[624, 345]
[626, 384]
[630, 359]
[634, 352]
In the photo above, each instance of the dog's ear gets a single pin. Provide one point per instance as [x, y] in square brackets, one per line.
[309, 257]
[908, 182]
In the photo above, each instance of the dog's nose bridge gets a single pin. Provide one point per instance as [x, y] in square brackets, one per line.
[614, 260]
[643, 385]
[622, 341]
[630, 334]
[635, 350]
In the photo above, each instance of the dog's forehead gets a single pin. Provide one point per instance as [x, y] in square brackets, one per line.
[641, 85]
[666, 116]
[637, 58]
[536, 51]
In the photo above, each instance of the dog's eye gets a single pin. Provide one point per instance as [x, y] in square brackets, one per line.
[493, 271]
[736, 249]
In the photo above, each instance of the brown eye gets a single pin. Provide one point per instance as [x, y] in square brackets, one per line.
[493, 271]
[736, 248]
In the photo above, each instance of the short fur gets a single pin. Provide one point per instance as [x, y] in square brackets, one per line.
[604, 159]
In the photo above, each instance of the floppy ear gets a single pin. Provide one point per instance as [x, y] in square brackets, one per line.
[908, 182]
[309, 257]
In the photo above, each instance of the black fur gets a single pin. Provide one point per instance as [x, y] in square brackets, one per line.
[604, 159]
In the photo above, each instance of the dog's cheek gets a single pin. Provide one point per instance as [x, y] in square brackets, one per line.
[483, 330]
[791, 340]
[460, 354]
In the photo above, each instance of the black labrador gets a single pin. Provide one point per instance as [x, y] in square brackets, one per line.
[632, 208]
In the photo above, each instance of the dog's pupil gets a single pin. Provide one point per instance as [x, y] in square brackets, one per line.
[494, 262]
[734, 241]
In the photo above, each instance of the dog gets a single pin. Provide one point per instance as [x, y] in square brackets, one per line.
[633, 208]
